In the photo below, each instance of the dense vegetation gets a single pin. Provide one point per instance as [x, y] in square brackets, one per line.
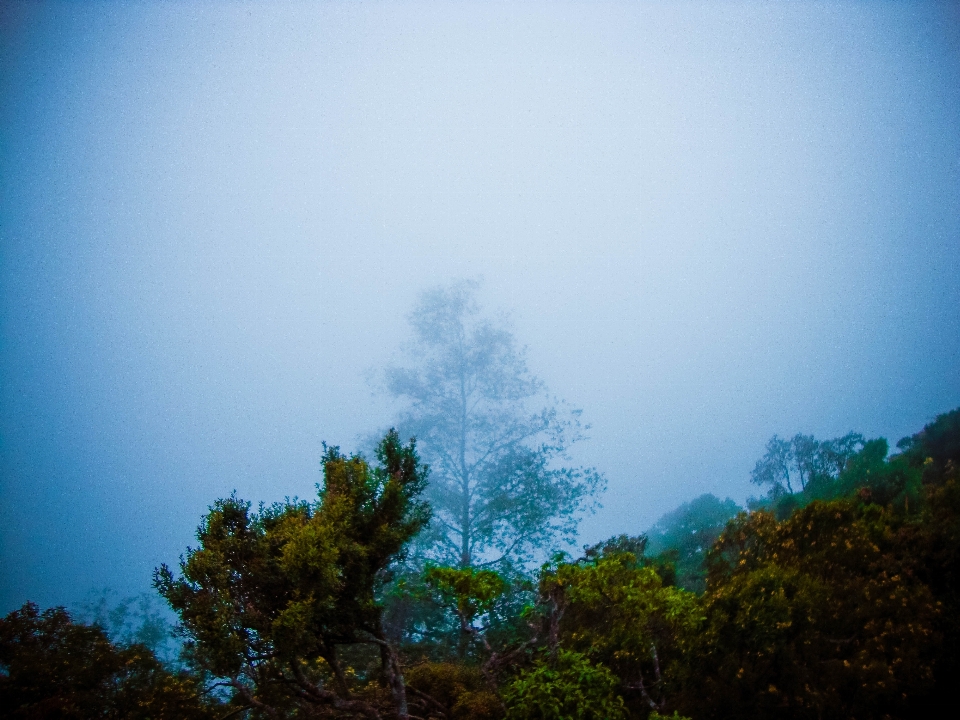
[837, 595]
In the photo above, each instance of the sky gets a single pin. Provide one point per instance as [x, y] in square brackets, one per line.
[707, 222]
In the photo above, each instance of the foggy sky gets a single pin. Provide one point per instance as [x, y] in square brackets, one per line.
[709, 223]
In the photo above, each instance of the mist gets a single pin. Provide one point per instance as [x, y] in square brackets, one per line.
[708, 223]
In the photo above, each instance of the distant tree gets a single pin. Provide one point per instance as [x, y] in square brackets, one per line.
[871, 475]
[790, 466]
[53, 667]
[142, 619]
[685, 536]
[268, 599]
[492, 438]
[773, 469]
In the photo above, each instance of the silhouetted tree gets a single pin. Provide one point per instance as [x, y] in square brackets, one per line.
[53, 667]
[793, 466]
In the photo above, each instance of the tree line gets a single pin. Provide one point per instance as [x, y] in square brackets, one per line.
[438, 581]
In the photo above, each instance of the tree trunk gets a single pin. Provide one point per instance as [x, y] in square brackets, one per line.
[340, 680]
[465, 559]
[390, 667]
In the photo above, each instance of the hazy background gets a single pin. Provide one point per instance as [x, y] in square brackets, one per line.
[709, 222]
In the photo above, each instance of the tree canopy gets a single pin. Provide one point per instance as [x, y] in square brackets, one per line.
[268, 598]
[839, 600]
[790, 466]
[684, 536]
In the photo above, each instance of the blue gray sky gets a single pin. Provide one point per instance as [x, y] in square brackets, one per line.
[709, 222]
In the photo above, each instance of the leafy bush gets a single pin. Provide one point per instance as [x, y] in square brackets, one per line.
[568, 687]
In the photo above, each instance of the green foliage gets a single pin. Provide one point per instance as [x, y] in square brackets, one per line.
[818, 615]
[468, 614]
[457, 691]
[412, 618]
[52, 667]
[844, 608]
[567, 687]
[835, 469]
[617, 611]
[936, 448]
[490, 434]
[685, 535]
[878, 479]
[267, 597]
[469, 591]
[933, 538]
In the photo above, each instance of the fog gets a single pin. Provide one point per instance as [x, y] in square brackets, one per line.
[708, 223]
